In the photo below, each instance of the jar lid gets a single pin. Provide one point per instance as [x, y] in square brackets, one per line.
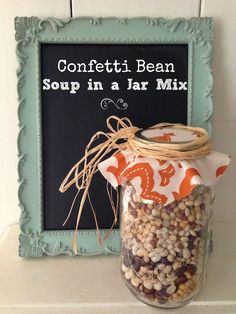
[173, 136]
[167, 133]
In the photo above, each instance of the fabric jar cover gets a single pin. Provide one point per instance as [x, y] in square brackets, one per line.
[163, 181]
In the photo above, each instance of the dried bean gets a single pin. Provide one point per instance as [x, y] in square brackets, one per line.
[135, 281]
[171, 289]
[181, 280]
[186, 253]
[148, 284]
[191, 268]
[129, 274]
[157, 285]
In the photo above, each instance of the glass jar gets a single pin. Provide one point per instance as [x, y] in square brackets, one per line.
[165, 248]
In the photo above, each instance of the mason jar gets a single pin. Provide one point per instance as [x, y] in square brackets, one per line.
[165, 248]
[166, 174]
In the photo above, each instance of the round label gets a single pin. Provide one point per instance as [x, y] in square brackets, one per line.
[167, 135]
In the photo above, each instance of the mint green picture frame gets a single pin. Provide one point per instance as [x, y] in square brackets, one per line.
[30, 33]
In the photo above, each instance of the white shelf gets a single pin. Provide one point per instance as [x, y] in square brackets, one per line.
[94, 285]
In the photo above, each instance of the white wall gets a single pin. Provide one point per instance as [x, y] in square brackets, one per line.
[224, 67]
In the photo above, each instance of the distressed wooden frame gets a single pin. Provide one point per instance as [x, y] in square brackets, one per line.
[30, 33]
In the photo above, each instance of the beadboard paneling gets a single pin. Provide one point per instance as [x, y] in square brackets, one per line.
[129, 8]
[224, 65]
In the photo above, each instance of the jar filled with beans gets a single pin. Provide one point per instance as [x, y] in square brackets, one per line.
[166, 176]
[165, 248]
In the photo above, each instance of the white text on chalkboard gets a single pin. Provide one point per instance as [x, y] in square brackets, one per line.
[115, 66]
[73, 87]
[128, 82]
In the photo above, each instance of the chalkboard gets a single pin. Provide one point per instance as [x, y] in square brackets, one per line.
[72, 75]
[99, 80]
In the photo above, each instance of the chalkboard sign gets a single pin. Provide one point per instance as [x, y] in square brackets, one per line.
[79, 72]
[81, 87]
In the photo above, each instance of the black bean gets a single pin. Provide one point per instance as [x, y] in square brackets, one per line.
[126, 262]
[162, 293]
[138, 262]
[184, 217]
[165, 261]
[190, 246]
[183, 268]
[191, 268]
[149, 292]
[181, 280]
[128, 257]
[136, 268]
[169, 209]
[191, 238]
[152, 265]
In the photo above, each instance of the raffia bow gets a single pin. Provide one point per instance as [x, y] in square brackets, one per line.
[122, 137]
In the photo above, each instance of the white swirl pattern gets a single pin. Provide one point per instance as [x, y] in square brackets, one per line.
[119, 104]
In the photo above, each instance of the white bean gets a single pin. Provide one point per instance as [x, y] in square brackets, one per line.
[157, 285]
[171, 289]
[129, 274]
[186, 253]
[148, 284]
[136, 281]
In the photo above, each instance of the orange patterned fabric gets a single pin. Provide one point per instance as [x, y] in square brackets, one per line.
[220, 170]
[163, 181]
[146, 173]
[121, 166]
[166, 174]
[186, 187]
